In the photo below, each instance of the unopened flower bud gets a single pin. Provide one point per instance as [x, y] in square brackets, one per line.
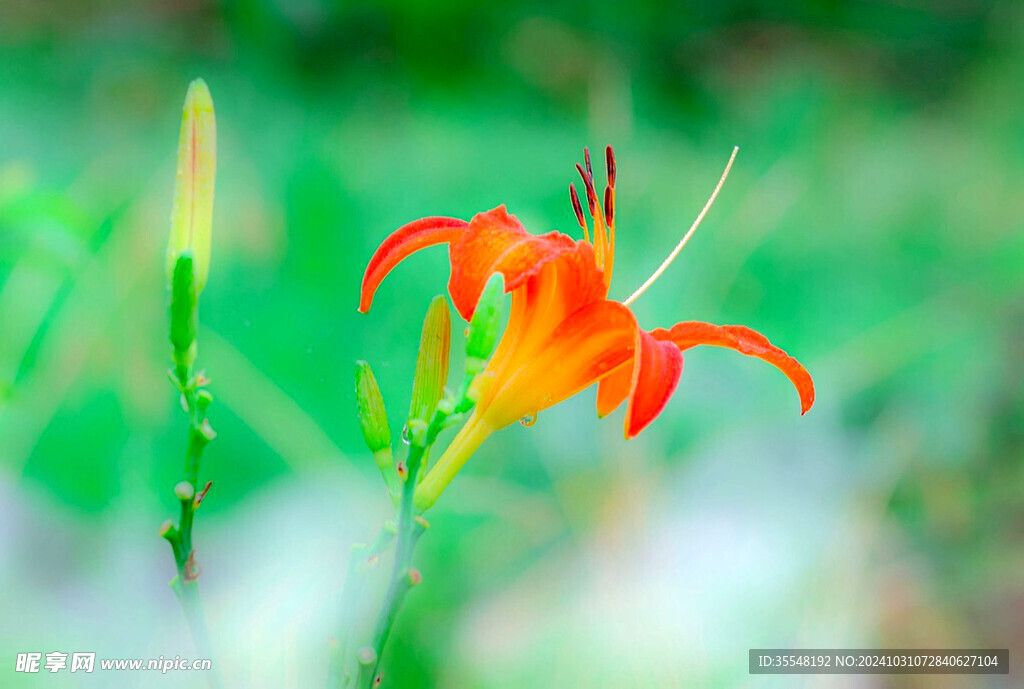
[432, 363]
[370, 405]
[184, 490]
[483, 327]
[192, 212]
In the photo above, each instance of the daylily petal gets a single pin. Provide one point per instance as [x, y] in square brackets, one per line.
[581, 350]
[746, 341]
[614, 389]
[496, 242]
[404, 241]
[656, 370]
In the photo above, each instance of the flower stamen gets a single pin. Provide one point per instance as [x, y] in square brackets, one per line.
[578, 209]
[609, 211]
[603, 231]
[693, 228]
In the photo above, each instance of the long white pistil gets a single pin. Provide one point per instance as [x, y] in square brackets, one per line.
[686, 237]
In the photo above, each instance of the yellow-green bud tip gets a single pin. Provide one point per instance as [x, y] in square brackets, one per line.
[192, 212]
[370, 405]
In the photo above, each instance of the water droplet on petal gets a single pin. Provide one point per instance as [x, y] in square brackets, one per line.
[528, 420]
[405, 434]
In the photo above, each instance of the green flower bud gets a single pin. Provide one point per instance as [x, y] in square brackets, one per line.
[192, 212]
[372, 416]
[483, 327]
[432, 363]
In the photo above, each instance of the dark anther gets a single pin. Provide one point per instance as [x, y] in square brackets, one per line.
[609, 160]
[608, 210]
[591, 194]
[577, 208]
[586, 158]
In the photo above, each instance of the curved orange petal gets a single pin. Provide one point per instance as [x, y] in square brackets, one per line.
[614, 389]
[657, 366]
[404, 241]
[496, 242]
[745, 341]
[582, 349]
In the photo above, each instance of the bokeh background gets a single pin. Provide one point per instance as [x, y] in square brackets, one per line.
[872, 226]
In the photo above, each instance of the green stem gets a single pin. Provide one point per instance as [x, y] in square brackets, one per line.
[401, 573]
[408, 528]
[185, 584]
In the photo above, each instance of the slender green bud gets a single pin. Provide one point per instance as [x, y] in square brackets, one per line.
[432, 363]
[192, 213]
[372, 416]
[483, 327]
[373, 420]
[184, 311]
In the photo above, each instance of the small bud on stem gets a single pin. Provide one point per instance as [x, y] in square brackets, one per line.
[370, 405]
[432, 363]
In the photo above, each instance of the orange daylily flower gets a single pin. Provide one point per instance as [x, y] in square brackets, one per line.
[564, 333]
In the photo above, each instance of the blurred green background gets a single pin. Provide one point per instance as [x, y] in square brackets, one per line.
[872, 226]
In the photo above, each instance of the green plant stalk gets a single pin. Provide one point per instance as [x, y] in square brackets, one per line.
[407, 529]
[409, 532]
[185, 584]
[363, 559]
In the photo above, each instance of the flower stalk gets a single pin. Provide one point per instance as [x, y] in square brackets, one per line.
[356, 657]
[188, 256]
